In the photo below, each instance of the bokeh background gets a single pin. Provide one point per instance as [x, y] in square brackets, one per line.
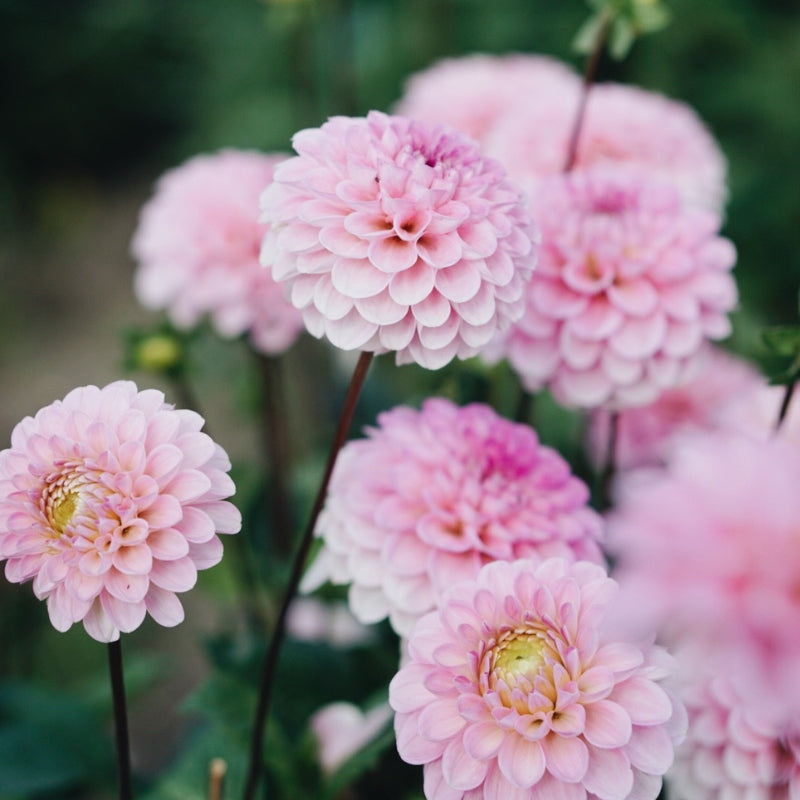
[98, 97]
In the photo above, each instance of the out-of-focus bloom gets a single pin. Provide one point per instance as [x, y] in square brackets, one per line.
[707, 402]
[630, 285]
[312, 620]
[394, 236]
[624, 127]
[432, 495]
[513, 691]
[197, 246]
[734, 749]
[707, 550]
[474, 92]
[111, 501]
[342, 729]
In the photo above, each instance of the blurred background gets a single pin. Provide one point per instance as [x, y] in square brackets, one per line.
[99, 97]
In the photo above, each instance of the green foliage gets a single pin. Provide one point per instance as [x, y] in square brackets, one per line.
[623, 21]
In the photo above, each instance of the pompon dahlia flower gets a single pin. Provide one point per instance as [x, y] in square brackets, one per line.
[111, 501]
[432, 495]
[707, 552]
[394, 236]
[629, 286]
[197, 247]
[708, 401]
[513, 691]
[624, 128]
[473, 92]
[733, 749]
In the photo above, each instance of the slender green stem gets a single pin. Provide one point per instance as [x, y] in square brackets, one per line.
[274, 648]
[120, 720]
[589, 77]
[787, 399]
[609, 469]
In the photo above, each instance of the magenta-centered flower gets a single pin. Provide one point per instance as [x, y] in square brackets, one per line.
[432, 495]
[629, 287]
[197, 247]
[707, 550]
[111, 501]
[514, 691]
[733, 748]
[393, 236]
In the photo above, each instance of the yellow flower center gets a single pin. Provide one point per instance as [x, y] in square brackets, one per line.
[62, 497]
[519, 655]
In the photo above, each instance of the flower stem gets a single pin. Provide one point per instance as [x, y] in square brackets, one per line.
[787, 399]
[274, 648]
[609, 469]
[216, 778]
[589, 77]
[277, 449]
[120, 720]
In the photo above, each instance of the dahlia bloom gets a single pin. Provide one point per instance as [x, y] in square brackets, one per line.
[394, 236]
[473, 92]
[197, 246]
[624, 127]
[707, 551]
[708, 401]
[630, 284]
[734, 749]
[513, 691]
[432, 495]
[111, 501]
[342, 729]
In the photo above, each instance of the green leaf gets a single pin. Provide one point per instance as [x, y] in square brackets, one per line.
[587, 35]
[783, 340]
[621, 38]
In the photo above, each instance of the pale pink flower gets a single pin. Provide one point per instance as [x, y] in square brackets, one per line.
[707, 551]
[514, 691]
[342, 729]
[624, 127]
[111, 501]
[394, 236]
[197, 247]
[708, 401]
[312, 620]
[432, 495]
[473, 92]
[734, 748]
[630, 284]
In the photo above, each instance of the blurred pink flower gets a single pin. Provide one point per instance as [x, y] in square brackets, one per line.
[708, 401]
[734, 749]
[342, 729]
[473, 92]
[110, 500]
[312, 620]
[625, 127]
[629, 286]
[197, 246]
[432, 495]
[512, 691]
[707, 550]
[393, 236]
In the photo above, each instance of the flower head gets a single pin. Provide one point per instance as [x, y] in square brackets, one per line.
[514, 691]
[630, 285]
[432, 495]
[710, 400]
[624, 128]
[707, 550]
[474, 92]
[733, 748]
[197, 247]
[111, 500]
[394, 236]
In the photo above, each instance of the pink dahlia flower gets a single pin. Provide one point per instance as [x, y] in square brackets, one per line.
[111, 501]
[630, 285]
[432, 495]
[734, 749]
[624, 127]
[707, 550]
[513, 691]
[394, 236]
[474, 92]
[706, 402]
[197, 246]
